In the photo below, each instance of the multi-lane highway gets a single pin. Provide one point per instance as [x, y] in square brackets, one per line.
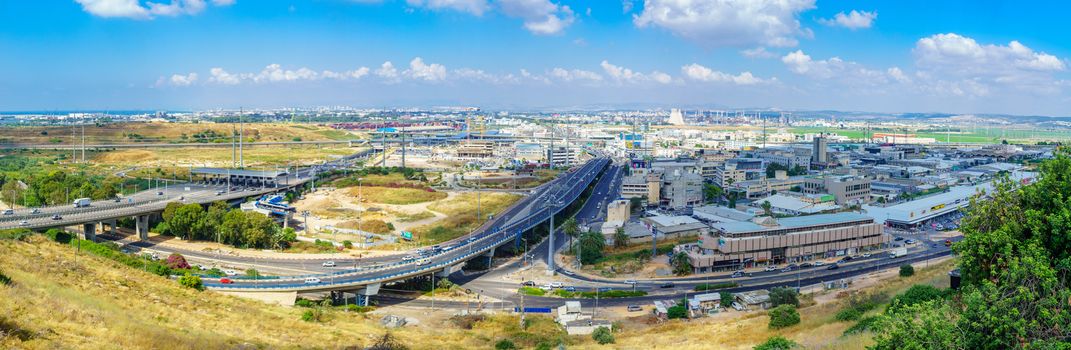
[546, 201]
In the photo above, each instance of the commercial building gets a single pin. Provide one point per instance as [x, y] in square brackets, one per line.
[734, 244]
[561, 156]
[790, 203]
[681, 190]
[676, 226]
[618, 210]
[475, 149]
[766, 186]
[846, 189]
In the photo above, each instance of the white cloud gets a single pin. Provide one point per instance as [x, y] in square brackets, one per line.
[569, 75]
[183, 80]
[351, 74]
[626, 6]
[136, 10]
[852, 20]
[625, 75]
[539, 16]
[221, 76]
[898, 75]
[475, 7]
[275, 73]
[727, 22]
[959, 64]
[428, 72]
[758, 52]
[701, 73]
[387, 72]
[849, 72]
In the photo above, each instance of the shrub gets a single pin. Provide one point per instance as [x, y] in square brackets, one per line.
[347, 244]
[359, 308]
[857, 306]
[532, 291]
[784, 316]
[214, 272]
[917, 294]
[4, 280]
[312, 315]
[177, 261]
[388, 342]
[603, 335]
[677, 311]
[191, 281]
[864, 324]
[713, 286]
[906, 270]
[784, 296]
[58, 235]
[777, 343]
[726, 298]
[467, 321]
[849, 314]
[252, 273]
[505, 344]
[305, 303]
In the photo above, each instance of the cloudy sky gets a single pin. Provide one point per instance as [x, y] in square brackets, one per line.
[887, 56]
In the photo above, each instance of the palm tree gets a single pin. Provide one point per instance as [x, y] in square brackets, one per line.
[620, 238]
[681, 265]
[571, 229]
[767, 208]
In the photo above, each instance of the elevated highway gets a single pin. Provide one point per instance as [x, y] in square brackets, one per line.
[547, 201]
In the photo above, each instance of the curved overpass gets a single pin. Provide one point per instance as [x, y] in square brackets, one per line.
[507, 228]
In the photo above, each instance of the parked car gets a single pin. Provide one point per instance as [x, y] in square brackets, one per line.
[226, 272]
[634, 308]
[567, 272]
[898, 238]
[770, 268]
[806, 265]
[328, 264]
[819, 263]
[847, 258]
[833, 267]
[312, 280]
[556, 285]
[569, 289]
[787, 269]
[866, 255]
[226, 280]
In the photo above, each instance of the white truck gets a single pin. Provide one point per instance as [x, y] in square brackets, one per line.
[81, 202]
[898, 252]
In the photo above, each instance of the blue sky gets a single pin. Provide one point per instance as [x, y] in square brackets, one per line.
[887, 56]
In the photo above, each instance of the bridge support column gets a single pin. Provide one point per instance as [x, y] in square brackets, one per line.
[446, 271]
[490, 255]
[113, 226]
[89, 231]
[364, 294]
[141, 223]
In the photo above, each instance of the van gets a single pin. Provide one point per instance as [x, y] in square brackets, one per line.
[312, 280]
[423, 261]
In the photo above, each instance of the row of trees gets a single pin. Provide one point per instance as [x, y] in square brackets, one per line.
[772, 169]
[227, 225]
[34, 189]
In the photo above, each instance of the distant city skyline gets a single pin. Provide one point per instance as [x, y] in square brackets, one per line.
[949, 57]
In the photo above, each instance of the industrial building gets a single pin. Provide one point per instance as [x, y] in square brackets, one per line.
[764, 240]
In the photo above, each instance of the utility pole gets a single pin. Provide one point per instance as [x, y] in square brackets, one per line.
[403, 150]
[550, 247]
[83, 140]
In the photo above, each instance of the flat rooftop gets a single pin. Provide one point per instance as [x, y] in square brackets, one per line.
[789, 223]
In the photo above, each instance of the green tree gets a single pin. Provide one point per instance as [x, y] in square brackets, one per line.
[505, 344]
[571, 229]
[784, 296]
[592, 244]
[620, 238]
[917, 294]
[191, 281]
[784, 316]
[929, 325]
[712, 192]
[767, 208]
[676, 311]
[603, 335]
[186, 220]
[777, 342]
[682, 266]
[906, 270]
[726, 298]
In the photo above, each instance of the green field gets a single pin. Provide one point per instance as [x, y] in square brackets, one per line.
[966, 135]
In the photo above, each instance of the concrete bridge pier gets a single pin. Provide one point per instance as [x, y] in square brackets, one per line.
[490, 255]
[110, 224]
[89, 231]
[141, 223]
[365, 293]
[447, 271]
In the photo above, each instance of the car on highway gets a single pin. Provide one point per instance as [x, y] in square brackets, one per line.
[23, 223]
[847, 258]
[35, 211]
[770, 268]
[408, 258]
[159, 193]
[737, 274]
[630, 281]
[567, 272]
[423, 261]
[528, 283]
[833, 267]
[948, 243]
[117, 199]
[9, 211]
[57, 217]
[634, 308]
[792, 266]
[226, 280]
[569, 289]
[898, 238]
[603, 289]
[667, 285]
[556, 285]
[806, 265]
[328, 264]
[787, 269]
[866, 255]
[312, 280]
[472, 239]
[219, 193]
[225, 272]
[910, 241]
[819, 263]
